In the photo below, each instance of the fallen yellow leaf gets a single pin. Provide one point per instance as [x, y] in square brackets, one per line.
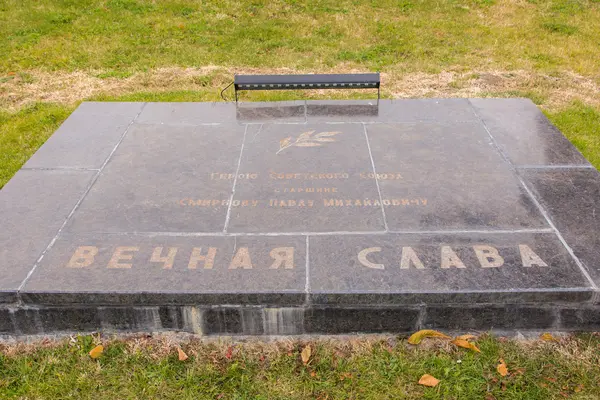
[467, 337]
[465, 344]
[305, 354]
[502, 369]
[548, 337]
[181, 354]
[416, 337]
[428, 380]
[96, 351]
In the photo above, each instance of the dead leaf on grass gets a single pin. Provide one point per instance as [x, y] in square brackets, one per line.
[547, 337]
[181, 354]
[467, 337]
[428, 380]
[416, 337]
[501, 368]
[96, 351]
[229, 353]
[465, 344]
[305, 354]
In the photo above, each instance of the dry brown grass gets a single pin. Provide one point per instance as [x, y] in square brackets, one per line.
[69, 88]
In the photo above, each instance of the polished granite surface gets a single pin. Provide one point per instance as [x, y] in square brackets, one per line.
[305, 204]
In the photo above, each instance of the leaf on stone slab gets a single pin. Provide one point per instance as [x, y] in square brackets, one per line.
[467, 337]
[285, 142]
[428, 380]
[465, 344]
[501, 368]
[547, 337]
[326, 134]
[181, 354]
[305, 354]
[304, 135]
[308, 144]
[325, 139]
[416, 337]
[96, 351]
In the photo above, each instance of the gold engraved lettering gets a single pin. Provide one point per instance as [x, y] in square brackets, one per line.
[450, 259]
[529, 257]
[410, 257]
[208, 259]
[282, 256]
[362, 258]
[241, 259]
[120, 254]
[488, 256]
[83, 257]
[167, 261]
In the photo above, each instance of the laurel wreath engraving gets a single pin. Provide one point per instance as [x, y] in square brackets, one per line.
[306, 139]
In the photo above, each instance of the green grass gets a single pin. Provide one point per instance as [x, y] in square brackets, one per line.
[353, 369]
[117, 40]
[581, 124]
[23, 132]
[413, 35]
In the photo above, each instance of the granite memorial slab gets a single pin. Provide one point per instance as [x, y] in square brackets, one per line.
[302, 217]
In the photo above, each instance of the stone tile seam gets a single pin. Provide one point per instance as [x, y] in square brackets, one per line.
[307, 272]
[483, 291]
[82, 197]
[274, 123]
[558, 234]
[184, 124]
[329, 233]
[493, 140]
[535, 201]
[305, 111]
[340, 122]
[237, 170]
[391, 122]
[558, 166]
[59, 169]
[385, 225]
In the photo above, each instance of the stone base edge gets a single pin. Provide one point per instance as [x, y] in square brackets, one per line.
[243, 320]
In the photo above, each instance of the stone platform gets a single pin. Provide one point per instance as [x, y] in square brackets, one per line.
[302, 217]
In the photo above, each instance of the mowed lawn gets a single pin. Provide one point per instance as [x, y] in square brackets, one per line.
[57, 53]
[350, 368]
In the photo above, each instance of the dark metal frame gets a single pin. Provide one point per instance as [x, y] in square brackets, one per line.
[295, 82]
